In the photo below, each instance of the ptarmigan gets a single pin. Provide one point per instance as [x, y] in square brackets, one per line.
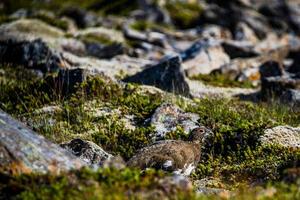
[176, 156]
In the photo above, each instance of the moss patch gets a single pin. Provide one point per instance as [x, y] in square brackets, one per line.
[184, 14]
[221, 80]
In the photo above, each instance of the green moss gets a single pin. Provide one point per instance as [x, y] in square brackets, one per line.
[63, 25]
[21, 90]
[184, 14]
[221, 80]
[86, 184]
[124, 184]
[234, 152]
[89, 38]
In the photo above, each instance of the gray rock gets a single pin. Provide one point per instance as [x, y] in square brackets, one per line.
[244, 33]
[104, 51]
[87, 151]
[247, 69]
[34, 55]
[167, 75]
[286, 136]
[24, 151]
[291, 97]
[215, 32]
[203, 57]
[168, 117]
[153, 12]
[275, 86]
[82, 17]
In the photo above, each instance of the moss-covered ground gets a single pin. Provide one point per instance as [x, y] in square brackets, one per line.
[233, 154]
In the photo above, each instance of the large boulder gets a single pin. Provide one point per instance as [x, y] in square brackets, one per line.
[24, 151]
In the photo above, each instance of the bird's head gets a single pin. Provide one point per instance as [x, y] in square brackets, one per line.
[199, 134]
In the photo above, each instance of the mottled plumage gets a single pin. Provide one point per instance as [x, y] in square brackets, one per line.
[172, 155]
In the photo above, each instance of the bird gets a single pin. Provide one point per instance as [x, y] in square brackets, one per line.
[177, 156]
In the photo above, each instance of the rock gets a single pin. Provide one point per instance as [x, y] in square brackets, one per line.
[210, 186]
[200, 90]
[257, 22]
[87, 151]
[216, 32]
[153, 12]
[239, 49]
[275, 86]
[104, 51]
[168, 117]
[291, 97]
[82, 18]
[285, 136]
[244, 33]
[152, 37]
[29, 30]
[271, 68]
[116, 66]
[176, 156]
[24, 151]
[203, 57]
[34, 55]
[268, 45]
[167, 75]
[243, 69]
[100, 33]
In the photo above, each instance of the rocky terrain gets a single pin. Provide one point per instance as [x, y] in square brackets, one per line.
[150, 99]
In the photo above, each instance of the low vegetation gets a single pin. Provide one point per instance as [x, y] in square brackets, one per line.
[221, 80]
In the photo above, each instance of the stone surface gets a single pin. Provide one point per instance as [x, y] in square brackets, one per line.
[243, 69]
[271, 68]
[32, 29]
[34, 55]
[244, 33]
[209, 186]
[169, 117]
[286, 136]
[200, 90]
[87, 151]
[176, 156]
[167, 75]
[239, 49]
[291, 97]
[275, 86]
[203, 57]
[24, 151]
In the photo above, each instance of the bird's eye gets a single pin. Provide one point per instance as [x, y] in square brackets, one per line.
[201, 130]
